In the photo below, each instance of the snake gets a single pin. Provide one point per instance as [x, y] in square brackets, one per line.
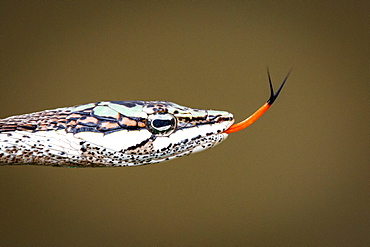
[117, 133]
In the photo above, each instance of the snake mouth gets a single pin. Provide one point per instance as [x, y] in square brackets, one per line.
[190, 137]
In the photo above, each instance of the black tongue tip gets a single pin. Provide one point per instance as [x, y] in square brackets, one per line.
[274, 95]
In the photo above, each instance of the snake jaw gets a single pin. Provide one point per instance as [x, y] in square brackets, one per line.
[257, 114]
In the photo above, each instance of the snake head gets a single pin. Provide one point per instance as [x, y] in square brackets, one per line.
[147, 132]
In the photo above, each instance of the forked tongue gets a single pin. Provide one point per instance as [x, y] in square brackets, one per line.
[257, 114]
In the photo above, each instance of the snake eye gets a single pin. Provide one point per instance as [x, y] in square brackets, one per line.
[161, 123]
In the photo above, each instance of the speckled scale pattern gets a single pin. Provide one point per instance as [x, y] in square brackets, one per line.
[108, 133]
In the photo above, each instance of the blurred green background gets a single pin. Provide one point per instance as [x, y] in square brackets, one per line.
[299, 176]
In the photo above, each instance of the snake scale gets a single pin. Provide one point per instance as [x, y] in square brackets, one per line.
[116, 133]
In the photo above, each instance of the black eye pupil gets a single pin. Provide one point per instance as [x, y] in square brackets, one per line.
[162, 123]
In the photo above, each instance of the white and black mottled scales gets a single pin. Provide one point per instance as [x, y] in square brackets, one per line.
[112, 133]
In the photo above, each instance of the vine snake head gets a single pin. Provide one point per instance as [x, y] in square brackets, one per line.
[110, 133]
[116, 133]
[155, 131]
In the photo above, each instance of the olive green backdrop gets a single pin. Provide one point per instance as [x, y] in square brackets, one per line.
[298, 176]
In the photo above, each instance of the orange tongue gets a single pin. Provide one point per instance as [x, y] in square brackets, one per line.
[257, 114]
